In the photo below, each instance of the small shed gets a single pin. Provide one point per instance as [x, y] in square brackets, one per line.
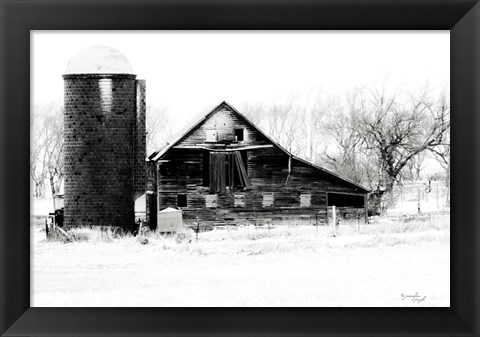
[169, 220]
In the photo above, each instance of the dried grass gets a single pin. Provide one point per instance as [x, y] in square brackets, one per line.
[250, 240]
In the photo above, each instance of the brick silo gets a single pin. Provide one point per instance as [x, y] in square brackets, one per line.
[104, 144]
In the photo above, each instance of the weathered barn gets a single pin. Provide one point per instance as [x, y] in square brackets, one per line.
[223, 168]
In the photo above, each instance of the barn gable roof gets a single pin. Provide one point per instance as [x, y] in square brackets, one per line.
[183, 133]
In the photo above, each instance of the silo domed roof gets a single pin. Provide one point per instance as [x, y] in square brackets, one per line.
[99, 60]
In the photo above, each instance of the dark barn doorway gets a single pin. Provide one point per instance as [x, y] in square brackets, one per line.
[345, 200]
[348, 206]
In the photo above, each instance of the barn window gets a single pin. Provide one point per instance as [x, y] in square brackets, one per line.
[181, 200]
[267, 200]
[239, 135]
[227, 169]
[166, 168]
[305, 200]
[211, 135]
[211, 200]
[239, 200]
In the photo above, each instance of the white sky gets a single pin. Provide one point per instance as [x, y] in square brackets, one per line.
[187, 72]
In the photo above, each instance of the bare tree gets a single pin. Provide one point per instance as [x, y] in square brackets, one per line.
[158, 128]
[347, 157]
[442, 155]
[254, 112]
[282, 126]
[309, 114]
[46, 155]
[396, 131]
[414, 167]
[37, 171]
[382, 139]
[278, 121]
[293, 124]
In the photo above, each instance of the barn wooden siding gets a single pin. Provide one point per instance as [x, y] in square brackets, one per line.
[181, 172]
[224, 121]
[281, 188]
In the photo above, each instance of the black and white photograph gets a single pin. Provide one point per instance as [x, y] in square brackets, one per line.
[240, 169]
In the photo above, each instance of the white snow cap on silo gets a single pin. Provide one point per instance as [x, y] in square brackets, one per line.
[99, 60]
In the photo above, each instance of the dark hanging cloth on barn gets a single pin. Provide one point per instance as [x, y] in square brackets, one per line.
[217, 171]
[242, 171]
[226, 168]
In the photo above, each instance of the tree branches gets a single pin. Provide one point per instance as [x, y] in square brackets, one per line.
[158, 128]
[46, 152]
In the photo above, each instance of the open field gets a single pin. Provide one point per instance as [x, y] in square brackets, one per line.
[283, 266]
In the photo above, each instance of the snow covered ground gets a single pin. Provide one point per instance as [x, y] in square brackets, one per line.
[382, 265]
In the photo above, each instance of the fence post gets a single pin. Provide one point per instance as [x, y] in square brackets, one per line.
[198, 229]
[418, 197]
[334, 220]
[365, 202]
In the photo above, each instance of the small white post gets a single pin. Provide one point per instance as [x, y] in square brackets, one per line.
[418, 204]
[334, 220]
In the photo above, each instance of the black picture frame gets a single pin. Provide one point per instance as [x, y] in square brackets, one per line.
[18, 18]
